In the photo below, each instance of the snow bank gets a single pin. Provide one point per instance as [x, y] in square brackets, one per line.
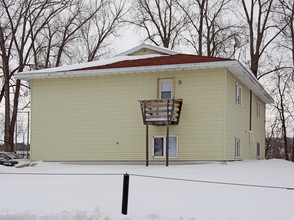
[99, 196]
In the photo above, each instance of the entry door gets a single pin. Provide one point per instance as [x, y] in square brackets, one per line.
[166, 88]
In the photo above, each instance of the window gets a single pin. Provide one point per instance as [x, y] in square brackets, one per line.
[238, 94]
[258, 109]
[258, 153]
[159, 148]
[238, 148]
[166, 88]
[166, 92]
[4, 156]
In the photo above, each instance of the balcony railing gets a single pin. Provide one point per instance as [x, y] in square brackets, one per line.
[161, 111]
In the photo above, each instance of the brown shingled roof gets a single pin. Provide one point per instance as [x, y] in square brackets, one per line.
[161, 60]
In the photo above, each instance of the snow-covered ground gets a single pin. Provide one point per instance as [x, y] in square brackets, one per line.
[64, 197]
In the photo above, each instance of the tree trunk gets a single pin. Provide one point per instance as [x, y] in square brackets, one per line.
[283, 120]
[293, 149]
[8, 139]
[254, 64]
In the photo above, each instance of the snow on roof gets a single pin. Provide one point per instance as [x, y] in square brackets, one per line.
[123, 64]
[97, 63]
[150, 47]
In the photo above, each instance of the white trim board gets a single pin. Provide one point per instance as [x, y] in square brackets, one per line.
[234, 66]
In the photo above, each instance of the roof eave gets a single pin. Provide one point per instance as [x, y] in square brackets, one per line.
[235, 67]
[111, 71]
[250, 81]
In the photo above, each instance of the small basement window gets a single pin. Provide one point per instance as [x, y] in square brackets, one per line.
[258, 148]
[238, 148]
[159, 149]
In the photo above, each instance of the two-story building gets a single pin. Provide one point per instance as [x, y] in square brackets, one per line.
[129, 107]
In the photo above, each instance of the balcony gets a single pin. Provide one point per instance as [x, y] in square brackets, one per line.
[161, 111]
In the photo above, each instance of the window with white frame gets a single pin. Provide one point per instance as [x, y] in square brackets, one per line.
[258, 153]
[159, 146]
[238, 94]
[258, 109]
[166, 88]
[238, 148]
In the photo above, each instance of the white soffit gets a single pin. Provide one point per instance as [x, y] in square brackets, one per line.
[249, 80]
[235, 67]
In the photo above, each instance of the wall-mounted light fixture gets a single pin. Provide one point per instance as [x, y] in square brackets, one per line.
[179, 82]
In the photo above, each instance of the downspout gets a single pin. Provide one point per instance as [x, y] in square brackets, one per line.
[225, 113]
[250, 115]
[251, 134]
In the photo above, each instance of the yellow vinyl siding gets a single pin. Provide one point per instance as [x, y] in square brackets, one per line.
[145, 51]
[87, 118]
[99, 119]
[258, 127]
[237, 118]
[200, 131]
[238, 122]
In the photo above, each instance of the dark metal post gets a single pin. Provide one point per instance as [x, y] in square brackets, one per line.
[167, 133]
[250, 110]
[147, 158]
[167, 144]
[125, 196]
[15, 144]
[28, 137]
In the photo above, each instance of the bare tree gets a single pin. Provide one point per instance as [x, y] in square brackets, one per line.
[79, 33]
[161, 20]
[270, 137]
[48, 39]
[209, 31]
[76, 18]
[96, 35]
[282, 75]
[258, 15]
[283, 94]
[45, 33]
[19, 19]
[286, 18]
[59, 36]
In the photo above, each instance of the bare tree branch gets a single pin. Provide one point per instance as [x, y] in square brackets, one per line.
[161, 20]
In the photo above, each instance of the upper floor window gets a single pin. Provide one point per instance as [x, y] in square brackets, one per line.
[166, 88]
[258, 109]
[238, 94]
